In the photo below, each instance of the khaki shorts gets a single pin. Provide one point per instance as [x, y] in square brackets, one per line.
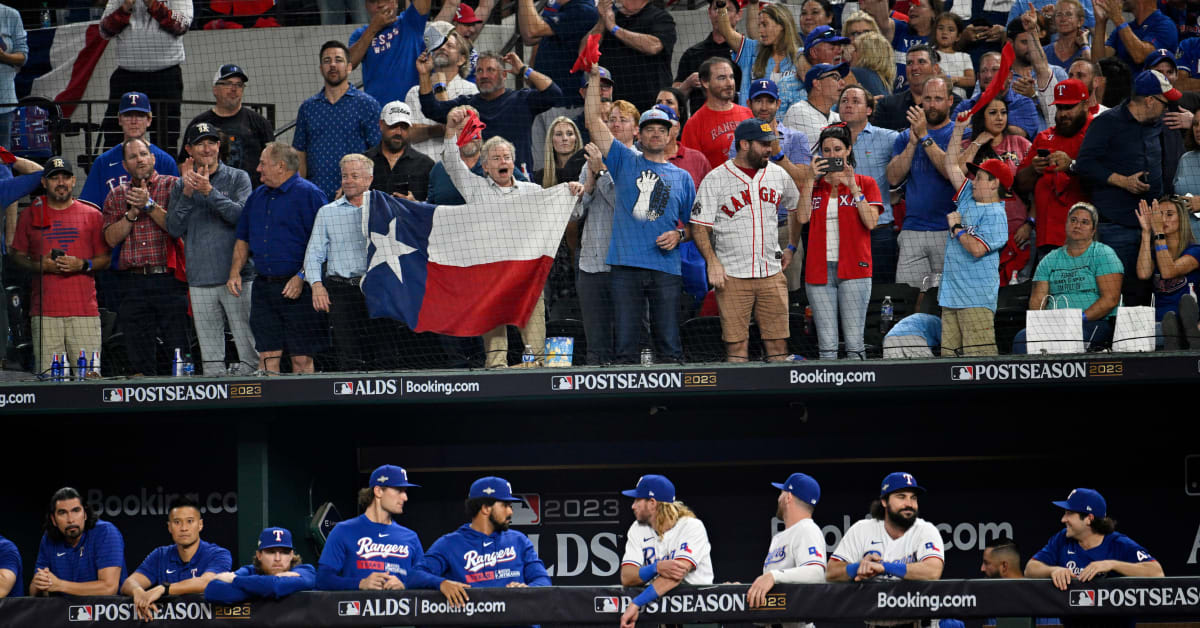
[63, 334]
[765, 297]
[968, 332]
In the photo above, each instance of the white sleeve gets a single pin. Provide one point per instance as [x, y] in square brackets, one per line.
[790, 194]
[413, 100]
[808, 552]
[633, 546]
[707, 199]
[852, 546]
[692, 544]
[468, 183]
[930, 543]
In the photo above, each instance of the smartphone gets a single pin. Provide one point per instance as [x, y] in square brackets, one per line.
[1144, 178]
[835, 164]
[1173, 107]
[1043, 152]
[57, 253]
[401, 188]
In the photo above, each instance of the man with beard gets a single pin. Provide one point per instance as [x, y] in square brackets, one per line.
[1088, 72]
[797, 554]
[653, 205]
[371, 551]
[1052, 179]
[1001, 559]
[206, 203]
[1032, 74]
[399, 169]
[917, 157]
[450, 54]
[687, 74]
[1022, 110]
[65, 315]
[80, 554]
[710, 130]
[507, 113]
[387, 46]
[248, 131]
[824, 83]
[335, 122]
[153, 299]
[731, 231]
[893, 543]
[276, 572]
[185, 566]
[482, 553]
[665, 547]
[921, 64]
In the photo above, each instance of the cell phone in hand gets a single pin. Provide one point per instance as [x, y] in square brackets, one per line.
[720, 4]
[1173, 107]
[1144, 178]
[57, 253]
[401, 188]
[1043, 152]
[835, 164]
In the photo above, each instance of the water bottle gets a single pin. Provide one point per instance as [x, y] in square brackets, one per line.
[55, 368]
[647, 357]
[45, 15]
[189, 369]
[1192, 290]
[528, 359]
[1013, 280]
[81, 365]
[887, 314]
[95, 365]
[177, 363]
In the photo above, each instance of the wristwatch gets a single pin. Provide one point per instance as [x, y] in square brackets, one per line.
[927, 141]
[1160, 236]
[132, 219]
[166, 588]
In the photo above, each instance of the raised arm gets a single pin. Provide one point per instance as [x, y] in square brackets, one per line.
[600, 134]
[641, 42]
[952, 168]
[533, 27]
[732, 38]
[878, 9]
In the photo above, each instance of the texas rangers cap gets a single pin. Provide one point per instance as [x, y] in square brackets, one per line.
[396, 112]
[56, 165]
[764, 86]
[492, 486]
[436, 35]
[391, 475]
[652, 487]
[753, 129]
[802, 486]
[466, 15]
[821, 69]
[199, 131]
[1070, 92]
[1153, 83]
[669, 111]
[274, 537]
[1084, 501]
[996, 168]
[134, 101]
[899, 481]
[605, 76]
[654, 115]
[824, 35]
[1158, 56]
[228, 70]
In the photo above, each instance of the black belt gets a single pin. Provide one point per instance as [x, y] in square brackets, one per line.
[283, 278]
[148, 270]
[344, 281]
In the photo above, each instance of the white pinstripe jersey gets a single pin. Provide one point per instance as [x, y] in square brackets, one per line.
[743, 214]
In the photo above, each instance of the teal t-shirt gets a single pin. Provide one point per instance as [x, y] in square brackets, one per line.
[1075, 277]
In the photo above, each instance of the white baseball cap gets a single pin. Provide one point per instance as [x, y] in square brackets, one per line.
[396, 112]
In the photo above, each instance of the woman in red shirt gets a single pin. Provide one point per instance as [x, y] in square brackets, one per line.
[843, 207]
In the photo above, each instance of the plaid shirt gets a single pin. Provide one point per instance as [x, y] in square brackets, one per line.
[147, 243]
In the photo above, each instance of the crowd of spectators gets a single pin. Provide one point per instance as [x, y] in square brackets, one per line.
[1058, 137]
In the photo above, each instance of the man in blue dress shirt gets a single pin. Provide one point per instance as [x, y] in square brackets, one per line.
[274, 227]
[276, 572]
[79, 553]
[185, 566]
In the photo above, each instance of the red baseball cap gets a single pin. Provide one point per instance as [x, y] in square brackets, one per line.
[996, 168]
[1070, 92]
[466, 15]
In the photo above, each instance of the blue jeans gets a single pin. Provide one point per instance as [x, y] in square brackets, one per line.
[596, 303]
[844, 299]
[1096, 334]
[632, 289]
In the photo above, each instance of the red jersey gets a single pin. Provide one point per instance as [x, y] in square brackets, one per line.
[711, 132]
[693, 161]
[854, 239]
[77, 230]
[1055, 192]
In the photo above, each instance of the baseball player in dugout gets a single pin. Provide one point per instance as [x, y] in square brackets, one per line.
[893, 542]
[797, 554]
[736, 229]
[666, 545]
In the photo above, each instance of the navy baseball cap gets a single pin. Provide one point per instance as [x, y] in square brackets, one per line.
[228, 70]
[134, 101]
[802, 486]
[652, 115]
[605, 76]
[764, 86]
[753, 129]
[493, 487]
[821, 69]
[900, 481]
[391, 475]
[274, 537]
[1084, 501]
[199, 131]
[824, 35]
[653, 487]
[56, 165]
[1153, 83]
[1158, 56]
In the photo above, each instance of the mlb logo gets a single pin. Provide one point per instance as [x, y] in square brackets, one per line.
[608, 604]
[562, 382]
[962, 373]
[528, 512]
[343, 388]
[1084, 597]
[113, 395]
[80, 613]
[349, 609]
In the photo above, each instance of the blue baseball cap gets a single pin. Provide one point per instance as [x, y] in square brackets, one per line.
[900, 481]
[134, 101]
[605, 75]
[821, 69]
[1084, 501]
[274, 537]
[496, 488]
[802, 486]
[1153, 83]
[753, 129]
[763, 86]
[228, 70]
[669, 111]
[652, 487]
[391, 475]
[653, 115]
[1158, 56]
[824, 35]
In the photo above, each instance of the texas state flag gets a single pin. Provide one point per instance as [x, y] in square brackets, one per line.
[461, 270]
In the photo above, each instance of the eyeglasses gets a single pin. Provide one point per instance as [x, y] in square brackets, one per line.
[232, 84]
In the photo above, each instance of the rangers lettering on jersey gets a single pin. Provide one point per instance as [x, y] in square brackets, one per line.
[369, 549]
[476, 561]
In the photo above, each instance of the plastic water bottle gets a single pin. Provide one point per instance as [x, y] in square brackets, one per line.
[81, 365]
[45, 15]
[887, 314]
[189, 369]
[177, 363]
[94, 368]
[647, 357]
[56, 368]
[528, 358]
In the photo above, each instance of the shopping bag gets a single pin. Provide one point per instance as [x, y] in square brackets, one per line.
[1054, 329]
[1135, 328]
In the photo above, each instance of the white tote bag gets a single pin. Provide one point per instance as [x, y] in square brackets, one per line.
[1054, 330]
[1135, 328]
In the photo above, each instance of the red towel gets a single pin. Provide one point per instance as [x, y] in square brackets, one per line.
[589, 56]
[999, 82]
[472, 129]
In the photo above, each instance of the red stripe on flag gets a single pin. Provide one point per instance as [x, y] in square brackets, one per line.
[471, 300]
[81, 72]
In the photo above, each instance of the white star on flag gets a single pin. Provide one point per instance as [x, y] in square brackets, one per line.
[388, 250]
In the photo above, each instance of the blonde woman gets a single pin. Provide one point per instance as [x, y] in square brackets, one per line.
[562, 144]
[874, 63]
[772, 55]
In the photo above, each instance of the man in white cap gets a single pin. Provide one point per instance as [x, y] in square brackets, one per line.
[797, 554]
[399, 169]
[248, 131]
[450, 55]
